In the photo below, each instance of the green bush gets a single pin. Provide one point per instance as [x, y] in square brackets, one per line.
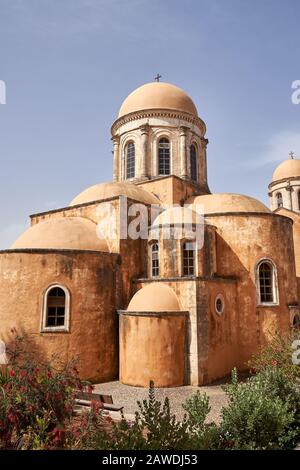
[262, 412]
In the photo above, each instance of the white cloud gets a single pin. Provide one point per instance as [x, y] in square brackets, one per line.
[275, 150]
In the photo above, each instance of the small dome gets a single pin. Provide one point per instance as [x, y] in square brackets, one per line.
[178, 215]
[226, 202]
[156, 297]
[287, 169]
[158, 95]
[66, 233]
[109, 190]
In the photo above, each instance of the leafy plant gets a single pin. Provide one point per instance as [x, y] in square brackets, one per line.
[259, 414]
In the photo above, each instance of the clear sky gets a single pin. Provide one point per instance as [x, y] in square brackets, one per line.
[68, 64]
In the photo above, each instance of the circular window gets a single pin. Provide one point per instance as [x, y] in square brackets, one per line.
[219, 305]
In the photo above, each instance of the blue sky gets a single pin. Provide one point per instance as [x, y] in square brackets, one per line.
[68, 64]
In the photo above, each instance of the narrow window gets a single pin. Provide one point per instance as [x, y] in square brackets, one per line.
[189, 259]
[130, 160]
[56, 309]
[193, 162]
[279, 200]
[266, 279]
[164, 157]
[155, 260]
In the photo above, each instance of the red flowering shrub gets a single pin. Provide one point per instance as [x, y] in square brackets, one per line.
[36, 401]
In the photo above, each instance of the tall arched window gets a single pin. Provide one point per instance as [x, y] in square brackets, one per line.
[56, 309]
[155, 260]
[193, 162]
[279, 200]
[130, 160]
[164, 167]
[188, 258]
[266, 279]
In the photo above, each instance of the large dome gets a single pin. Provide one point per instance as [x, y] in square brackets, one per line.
[227, 202]
[109, 190]
[158, 95]
[155, 297]
[287, 169]
[66, 233]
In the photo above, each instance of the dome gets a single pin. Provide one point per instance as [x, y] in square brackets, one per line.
[158, 95]
[226, 202]
[287, 169]
[177, 215]
[155, 297]
[109, 190]
[66, 233]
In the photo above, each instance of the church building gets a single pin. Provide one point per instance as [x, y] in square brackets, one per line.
[159, 308]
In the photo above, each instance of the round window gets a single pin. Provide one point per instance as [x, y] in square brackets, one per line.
[219, 305]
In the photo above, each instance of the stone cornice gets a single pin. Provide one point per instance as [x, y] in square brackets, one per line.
[284, 180]
[148, 113]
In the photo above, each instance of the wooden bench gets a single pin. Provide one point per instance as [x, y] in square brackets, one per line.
[85, 399]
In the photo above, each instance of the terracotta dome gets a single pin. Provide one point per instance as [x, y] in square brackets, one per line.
[66, 233]
[287, 169]
[177, 215]
[109, 190]
[155, 297]
[227, 202]
[158, 95]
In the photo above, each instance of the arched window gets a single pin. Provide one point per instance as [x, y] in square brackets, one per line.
[279, 200]
[130, 160]
[188, 257]
[155, 260]
[299, 200]
[267, 288]
[56, 309]
[193, 162]
[164, 167]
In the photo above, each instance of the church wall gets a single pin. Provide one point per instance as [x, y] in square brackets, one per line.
[211, 340]
[217, 333]
[242, 241]
[172, 190]
[92, 282]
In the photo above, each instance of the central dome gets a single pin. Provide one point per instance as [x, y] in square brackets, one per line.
[158, 95]
[287, 169]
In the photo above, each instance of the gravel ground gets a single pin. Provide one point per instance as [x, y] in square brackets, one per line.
[127, 396]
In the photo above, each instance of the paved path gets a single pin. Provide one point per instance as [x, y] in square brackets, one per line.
[127, 396]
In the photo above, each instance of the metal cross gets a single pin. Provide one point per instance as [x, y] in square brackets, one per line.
[292, 155]
[157, 78]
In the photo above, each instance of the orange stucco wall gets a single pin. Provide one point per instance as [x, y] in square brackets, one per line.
[152, 347]
[92, 283]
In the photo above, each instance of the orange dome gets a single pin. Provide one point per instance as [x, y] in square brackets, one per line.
[158, 95]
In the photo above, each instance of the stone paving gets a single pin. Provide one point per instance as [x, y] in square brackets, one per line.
[127, 396]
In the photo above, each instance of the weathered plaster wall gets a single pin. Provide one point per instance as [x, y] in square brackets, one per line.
[242, 241]
[152, 347]
[91, 280]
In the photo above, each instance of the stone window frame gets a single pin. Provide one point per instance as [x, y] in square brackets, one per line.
[195, 145]
[279, 199]
[158, 137]
[150, 246]
[126, 144]
[275, 291]
[52, 329]
[182, 243]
